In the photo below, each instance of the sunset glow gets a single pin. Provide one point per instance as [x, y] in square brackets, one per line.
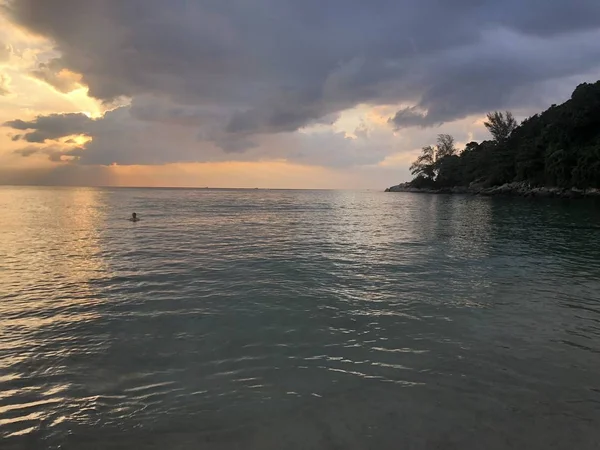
[162, 116]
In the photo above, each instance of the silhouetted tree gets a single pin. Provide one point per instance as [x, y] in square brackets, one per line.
[445, 146]
[433, 159]
[424, 165]
[500, 125]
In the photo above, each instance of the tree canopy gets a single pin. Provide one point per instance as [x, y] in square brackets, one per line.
[500, 125]
[559, 147]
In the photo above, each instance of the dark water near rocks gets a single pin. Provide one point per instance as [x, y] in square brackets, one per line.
[297, 319]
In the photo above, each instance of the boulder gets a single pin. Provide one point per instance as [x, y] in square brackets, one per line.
[592, 192]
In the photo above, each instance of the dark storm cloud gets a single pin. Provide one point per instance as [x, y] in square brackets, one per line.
[235, 69]
[489, 74]
[53, 126]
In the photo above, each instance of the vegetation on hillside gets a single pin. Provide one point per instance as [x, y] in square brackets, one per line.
[559, 147]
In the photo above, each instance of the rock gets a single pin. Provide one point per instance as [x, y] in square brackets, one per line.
[521, 189]
[516, 188]
[592, 192]
[547, 192]
[576, 193]
[502, 190]
[403, 187]
[573, 193]
[538, 192]
[397, 188]
[476, 186]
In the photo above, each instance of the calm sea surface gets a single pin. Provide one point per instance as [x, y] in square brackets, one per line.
[263, 319]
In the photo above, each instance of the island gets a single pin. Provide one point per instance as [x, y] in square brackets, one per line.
[552, 154]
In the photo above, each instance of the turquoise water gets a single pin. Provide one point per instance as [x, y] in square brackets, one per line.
[297, 319]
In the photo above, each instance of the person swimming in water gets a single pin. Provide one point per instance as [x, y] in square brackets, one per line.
[134, 217]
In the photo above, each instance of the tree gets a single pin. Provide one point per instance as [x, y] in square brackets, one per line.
[445, 146]
[424, 165]
[427, 166]
[449, 171]
[586, 173]
[500, 125]
[557, 168]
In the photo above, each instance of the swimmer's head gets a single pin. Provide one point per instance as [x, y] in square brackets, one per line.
[134, 215]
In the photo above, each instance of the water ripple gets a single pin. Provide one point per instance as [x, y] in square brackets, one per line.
[279, 316]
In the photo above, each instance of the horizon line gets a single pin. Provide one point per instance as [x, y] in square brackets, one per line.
[186, 187]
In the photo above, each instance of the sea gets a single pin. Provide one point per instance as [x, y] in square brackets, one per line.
[282, 319]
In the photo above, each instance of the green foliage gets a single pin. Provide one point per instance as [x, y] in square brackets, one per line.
[559, 147]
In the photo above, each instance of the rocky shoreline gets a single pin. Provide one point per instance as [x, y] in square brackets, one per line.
[509, 189]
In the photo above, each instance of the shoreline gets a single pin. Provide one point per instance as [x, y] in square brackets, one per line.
[509, 190]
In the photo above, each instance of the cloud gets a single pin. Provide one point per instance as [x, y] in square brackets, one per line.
[5, 52]
[502, 70]
[52, 126]
[57, 76]
[4, 81]
[211, 80]
[54, 154]
[130, 136]
[119, 136]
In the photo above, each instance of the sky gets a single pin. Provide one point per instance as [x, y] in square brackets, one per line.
[271, 93]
